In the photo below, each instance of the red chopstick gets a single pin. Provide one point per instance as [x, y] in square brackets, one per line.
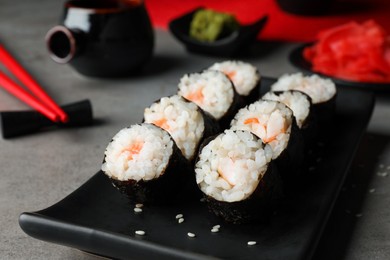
[9, 85]
[31, 84]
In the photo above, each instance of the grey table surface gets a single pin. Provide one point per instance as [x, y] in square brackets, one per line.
[39, 170]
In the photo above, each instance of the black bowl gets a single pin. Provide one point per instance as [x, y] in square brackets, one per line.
[226, 46]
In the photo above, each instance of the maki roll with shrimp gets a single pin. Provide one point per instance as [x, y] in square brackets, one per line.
[184, 120]
[235, 172]
[301, 106]
[322, 92]
[245, 77]
[273, 122]
[145, 164]
[213, 92]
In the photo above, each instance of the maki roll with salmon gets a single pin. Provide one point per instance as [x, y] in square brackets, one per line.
[245, 77]
[301, 105]
[212, 91]
[234, 171]
[274, 123]
[184, 120]
[322, 92]
[145, 164]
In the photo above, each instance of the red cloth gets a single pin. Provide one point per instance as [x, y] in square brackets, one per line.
[281, 25]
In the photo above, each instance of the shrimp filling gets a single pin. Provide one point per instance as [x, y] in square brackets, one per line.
[297, 101]
[231, 166]
[269, 120]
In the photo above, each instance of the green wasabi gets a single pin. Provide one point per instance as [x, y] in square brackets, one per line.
[208, 25]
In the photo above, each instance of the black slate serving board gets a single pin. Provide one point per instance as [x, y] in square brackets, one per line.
[96, 218]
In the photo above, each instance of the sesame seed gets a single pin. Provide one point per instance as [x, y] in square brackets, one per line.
[359, 215]
[217, 226]
[190, 234]
[252, 243]
[382, 174]
[179, 216]
[381, 166]
[137, 210]
[140, 232]
[371, 190]
[181, 220]
[139, 205]
[214, 230]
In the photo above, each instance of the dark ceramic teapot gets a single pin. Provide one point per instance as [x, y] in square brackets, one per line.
[103, 38]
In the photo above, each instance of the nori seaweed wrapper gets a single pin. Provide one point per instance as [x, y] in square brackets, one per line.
[253, 95]
[258, 207]
[290, 160]
[237, 103]
[324, 113]
[175, 185]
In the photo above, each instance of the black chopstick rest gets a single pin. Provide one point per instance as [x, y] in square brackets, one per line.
[17, 123]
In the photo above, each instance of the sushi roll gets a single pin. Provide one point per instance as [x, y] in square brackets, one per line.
[234, 171]
[145, 164]
[245, 77]
[274, 123]
[322, 92]
[184, 120]
[301, 105]
[297, 101]
[213, 92]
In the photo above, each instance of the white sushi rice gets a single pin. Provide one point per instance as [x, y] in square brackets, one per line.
[297, 101]
[191, 234]
[137, 210]
[151, 160]
[182, 119]
[272, 123]
[211, 90]
[231, 166]
[140, 232]
[245, 77]
[319, 89]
